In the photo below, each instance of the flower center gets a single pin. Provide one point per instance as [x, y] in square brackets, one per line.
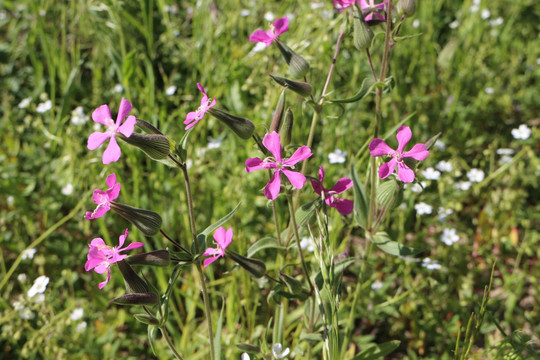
[111, 126]
[202, 109]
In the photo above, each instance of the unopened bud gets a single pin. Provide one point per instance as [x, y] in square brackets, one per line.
[298, 66]
[147, 221]
[254, 266]
[363, 34]
[406, 7]
[136, 299]
[244, 128]
[147, 127]
[134, 284]
[154, 258]
[156, 146]
[146, 319]
[278, 113]
[293, 285]
[285, 132]
[301, 88]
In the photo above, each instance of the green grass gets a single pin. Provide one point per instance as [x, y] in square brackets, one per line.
[74, 54]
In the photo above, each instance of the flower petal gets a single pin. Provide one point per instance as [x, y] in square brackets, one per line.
[253, 164]
[260, 36]
[228, 238]
[387, 168]
[378, 147]
[302, 153]
[342, 185]
[123, 111]
[101, 114]
[273, 143]
[418, 152]
[271, 191]
[317, 186]
[112, 153]
[212, 252]
[405, 174]
[128, 126]
[219, 236]
[297, 179]
[403, 136]
[132, 246]
[343, 206]
[209, 260]
[111, 180]
[122, 239]
[281, 25]
[96, 139]
[201, 89]
[114, 192]
[102, 284]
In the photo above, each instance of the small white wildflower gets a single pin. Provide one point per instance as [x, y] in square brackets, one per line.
[118, 88]
[449, 236]
[44, 106]
[444, 213]
[26, 314]
[337, 157]
[444, 166]
[24, 103]
[431, 174]
[474, 8]
[78, 116]
[10, 200]
[454, 24]
[214, 143]
[440, 145]
[485, 14]
[176, 33]
[489, 90]
[417, 187]
[278, 352]
[81, 326]
[3, 15]
[496, 22]
[325, 14]
[307, 244]
[505, 159]
[22, 277]
[377, 285]
[431, 264]
[463, 185]
[475, 175]
[477, 2]
[18, 305]
[258, 47]
[40, 284]
[97, 126]
[39, 298]
[189, 163]
[245, 12]
[538, 61]
[416, 23]
[269, 16]
[316, 5]
[245, 356]
[171, 90]
[28, 253]
[423, 208]
[261, 282]
[42, 12]
[523, 132]
[77, 314]
[67, 190]
[505, 151]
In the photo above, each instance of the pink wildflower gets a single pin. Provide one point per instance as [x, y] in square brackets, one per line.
[103, 198]
[280, 26]
[365, 5]
[344, 206]
[273, 143]
[223, 239]
[103, 116]
[101, 256]
[193, 117]
[378, 147]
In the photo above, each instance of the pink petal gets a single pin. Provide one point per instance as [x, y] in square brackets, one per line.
[219, 236]
[378, 147]
[273, 143]
[302, 153]
[297, 179]
[97, 242]
[317, 186]
[128, 126]
[112, 153]
[132, 246]
[96, 139]
[201, 89]
[122, 239]
[253, 164]
[102, 267]
[321, 174]
[114, 192]
[344, 206]
[212, 252]
[101, 114]
[102, 284]
[342, 185]
[387, 168]
[281, 25]
[123, 111]
[228, 239]
[261, 36]
[100, 210]
[211, 105]
[418, 152]
[403, 136]
[210, 260]
[92, 263]
[271, 191]
[111, 180]
[99, 196]
[89, 215]
[405, 174]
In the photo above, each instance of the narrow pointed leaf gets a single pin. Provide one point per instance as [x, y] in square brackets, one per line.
[378, 351]
[361, 203]
[383, 241]
[264, 243]
[220, 222]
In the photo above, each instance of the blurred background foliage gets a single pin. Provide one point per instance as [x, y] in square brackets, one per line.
[470, 74]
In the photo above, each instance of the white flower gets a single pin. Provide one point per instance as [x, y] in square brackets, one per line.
[496, 22]
[67, 190]
[78, 117]
[463, 185]
[431, 174]
[22, 277]
[26, 314]
[81, 326]
[260, 46]
[449, 236]
[118, 88]
[171, 90]
[176, 33]
[505, 151]
[505, 159]
[522, 132]
[485, 14]
[417, 187]
[28, 253]
[278, 352]
[454, 24]
[307, 244]
[475, 175]
[337, 157]
[443, 213]
[214, 143]
[39, 298]
[245, 356]
[538, 61]
[474, 8]
[44, 106]
[269, 16]
[423, 208]
[444, 166]
[189, 163]
[489, 90]
[431, 264]
[316, 5]
[245, 12]
[40, 284]
[18, 305]
[10, 200]
[377, 285]
[24, 103]
[416, 23]
[42, 12]
[3, 15]
[77, 314]
[440, 145]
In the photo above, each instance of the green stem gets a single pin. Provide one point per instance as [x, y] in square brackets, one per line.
[170, 343]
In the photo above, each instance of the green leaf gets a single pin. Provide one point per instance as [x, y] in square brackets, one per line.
[361, 204]
[383, 241]
[367, 87]
[252, 349]
[152, 337]
[386, 193]
[378, 351]
[220, 222]
[338, 269]
[217, 337]
[264, 243]
[146, 319]
[306, 211]
[294, 286]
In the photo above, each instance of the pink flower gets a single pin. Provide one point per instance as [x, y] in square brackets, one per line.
[103, 116]
[101, 256]
[378, 147]
[280, 26]
[341, 5]
[223, 239]
[103, 198]
[344, 206]
[193, 117]
[273, 143]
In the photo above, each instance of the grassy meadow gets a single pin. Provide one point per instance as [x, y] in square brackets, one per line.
[467, 69]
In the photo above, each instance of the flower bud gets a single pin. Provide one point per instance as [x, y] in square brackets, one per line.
[136, 299]
[147, 127]
[154, 258]
[294, 286]
[363, 34]
[278, 113]
[156, 146]
[147, 221]
[254, 266]
[298, 66]
[285, 132]
[242, 127]
[406, 7]
[301, 88]
[147, 319]
[134, 284]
